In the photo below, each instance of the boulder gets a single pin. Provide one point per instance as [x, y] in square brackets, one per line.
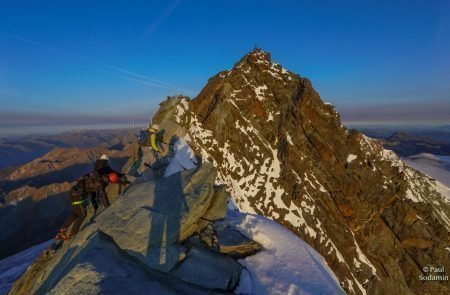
[160, 214]
[221, 237]
[209, 269]
[218, 208]
[233, 243]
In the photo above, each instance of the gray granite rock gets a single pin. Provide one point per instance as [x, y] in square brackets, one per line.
[209, 269]
[151, 218]
[233, 243]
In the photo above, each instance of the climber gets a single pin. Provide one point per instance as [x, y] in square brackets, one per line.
[156, 140]
[79, 206]
[102, 166]
[90, 184]
[102, 169]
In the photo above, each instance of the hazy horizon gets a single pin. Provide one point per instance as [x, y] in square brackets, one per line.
[50, 130]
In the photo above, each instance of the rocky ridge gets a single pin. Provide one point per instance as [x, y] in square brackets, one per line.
[154, 237]
[283, 153]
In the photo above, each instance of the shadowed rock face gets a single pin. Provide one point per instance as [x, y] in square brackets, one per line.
[284, 154]
[34, 217]
[137, 244]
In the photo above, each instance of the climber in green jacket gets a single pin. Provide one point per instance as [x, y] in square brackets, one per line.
[155, 141]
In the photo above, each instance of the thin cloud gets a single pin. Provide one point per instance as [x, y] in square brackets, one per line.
[154, 26]
[123, 73]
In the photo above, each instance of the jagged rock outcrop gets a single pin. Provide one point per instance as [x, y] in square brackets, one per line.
[283, 153]
[140, 244]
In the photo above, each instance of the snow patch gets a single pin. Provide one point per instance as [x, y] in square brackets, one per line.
[259, 91]
[363, 258]
[289, 139]
[183, 159]
[351, 157]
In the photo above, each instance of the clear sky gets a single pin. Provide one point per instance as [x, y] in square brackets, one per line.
[70, 63]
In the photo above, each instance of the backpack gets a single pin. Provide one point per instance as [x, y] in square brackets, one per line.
[144, 136]
[159, 137]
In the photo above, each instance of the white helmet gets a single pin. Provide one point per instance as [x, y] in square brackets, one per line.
[104, 157]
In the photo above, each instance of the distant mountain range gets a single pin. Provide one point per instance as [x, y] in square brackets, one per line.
[407, 143]
[436, 133]
[19, 150]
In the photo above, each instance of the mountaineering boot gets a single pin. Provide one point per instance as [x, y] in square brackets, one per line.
[55, 246]
[62, 235]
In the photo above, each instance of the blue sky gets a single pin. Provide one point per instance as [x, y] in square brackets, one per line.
[106, 62]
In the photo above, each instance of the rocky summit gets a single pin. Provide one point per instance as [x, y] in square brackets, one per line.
[283, 153]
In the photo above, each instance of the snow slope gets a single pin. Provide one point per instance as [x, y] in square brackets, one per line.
[286, 265]
[12, 267]
[438, 167]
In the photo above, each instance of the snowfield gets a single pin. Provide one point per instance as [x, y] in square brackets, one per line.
[286, 265]
[437, 167]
